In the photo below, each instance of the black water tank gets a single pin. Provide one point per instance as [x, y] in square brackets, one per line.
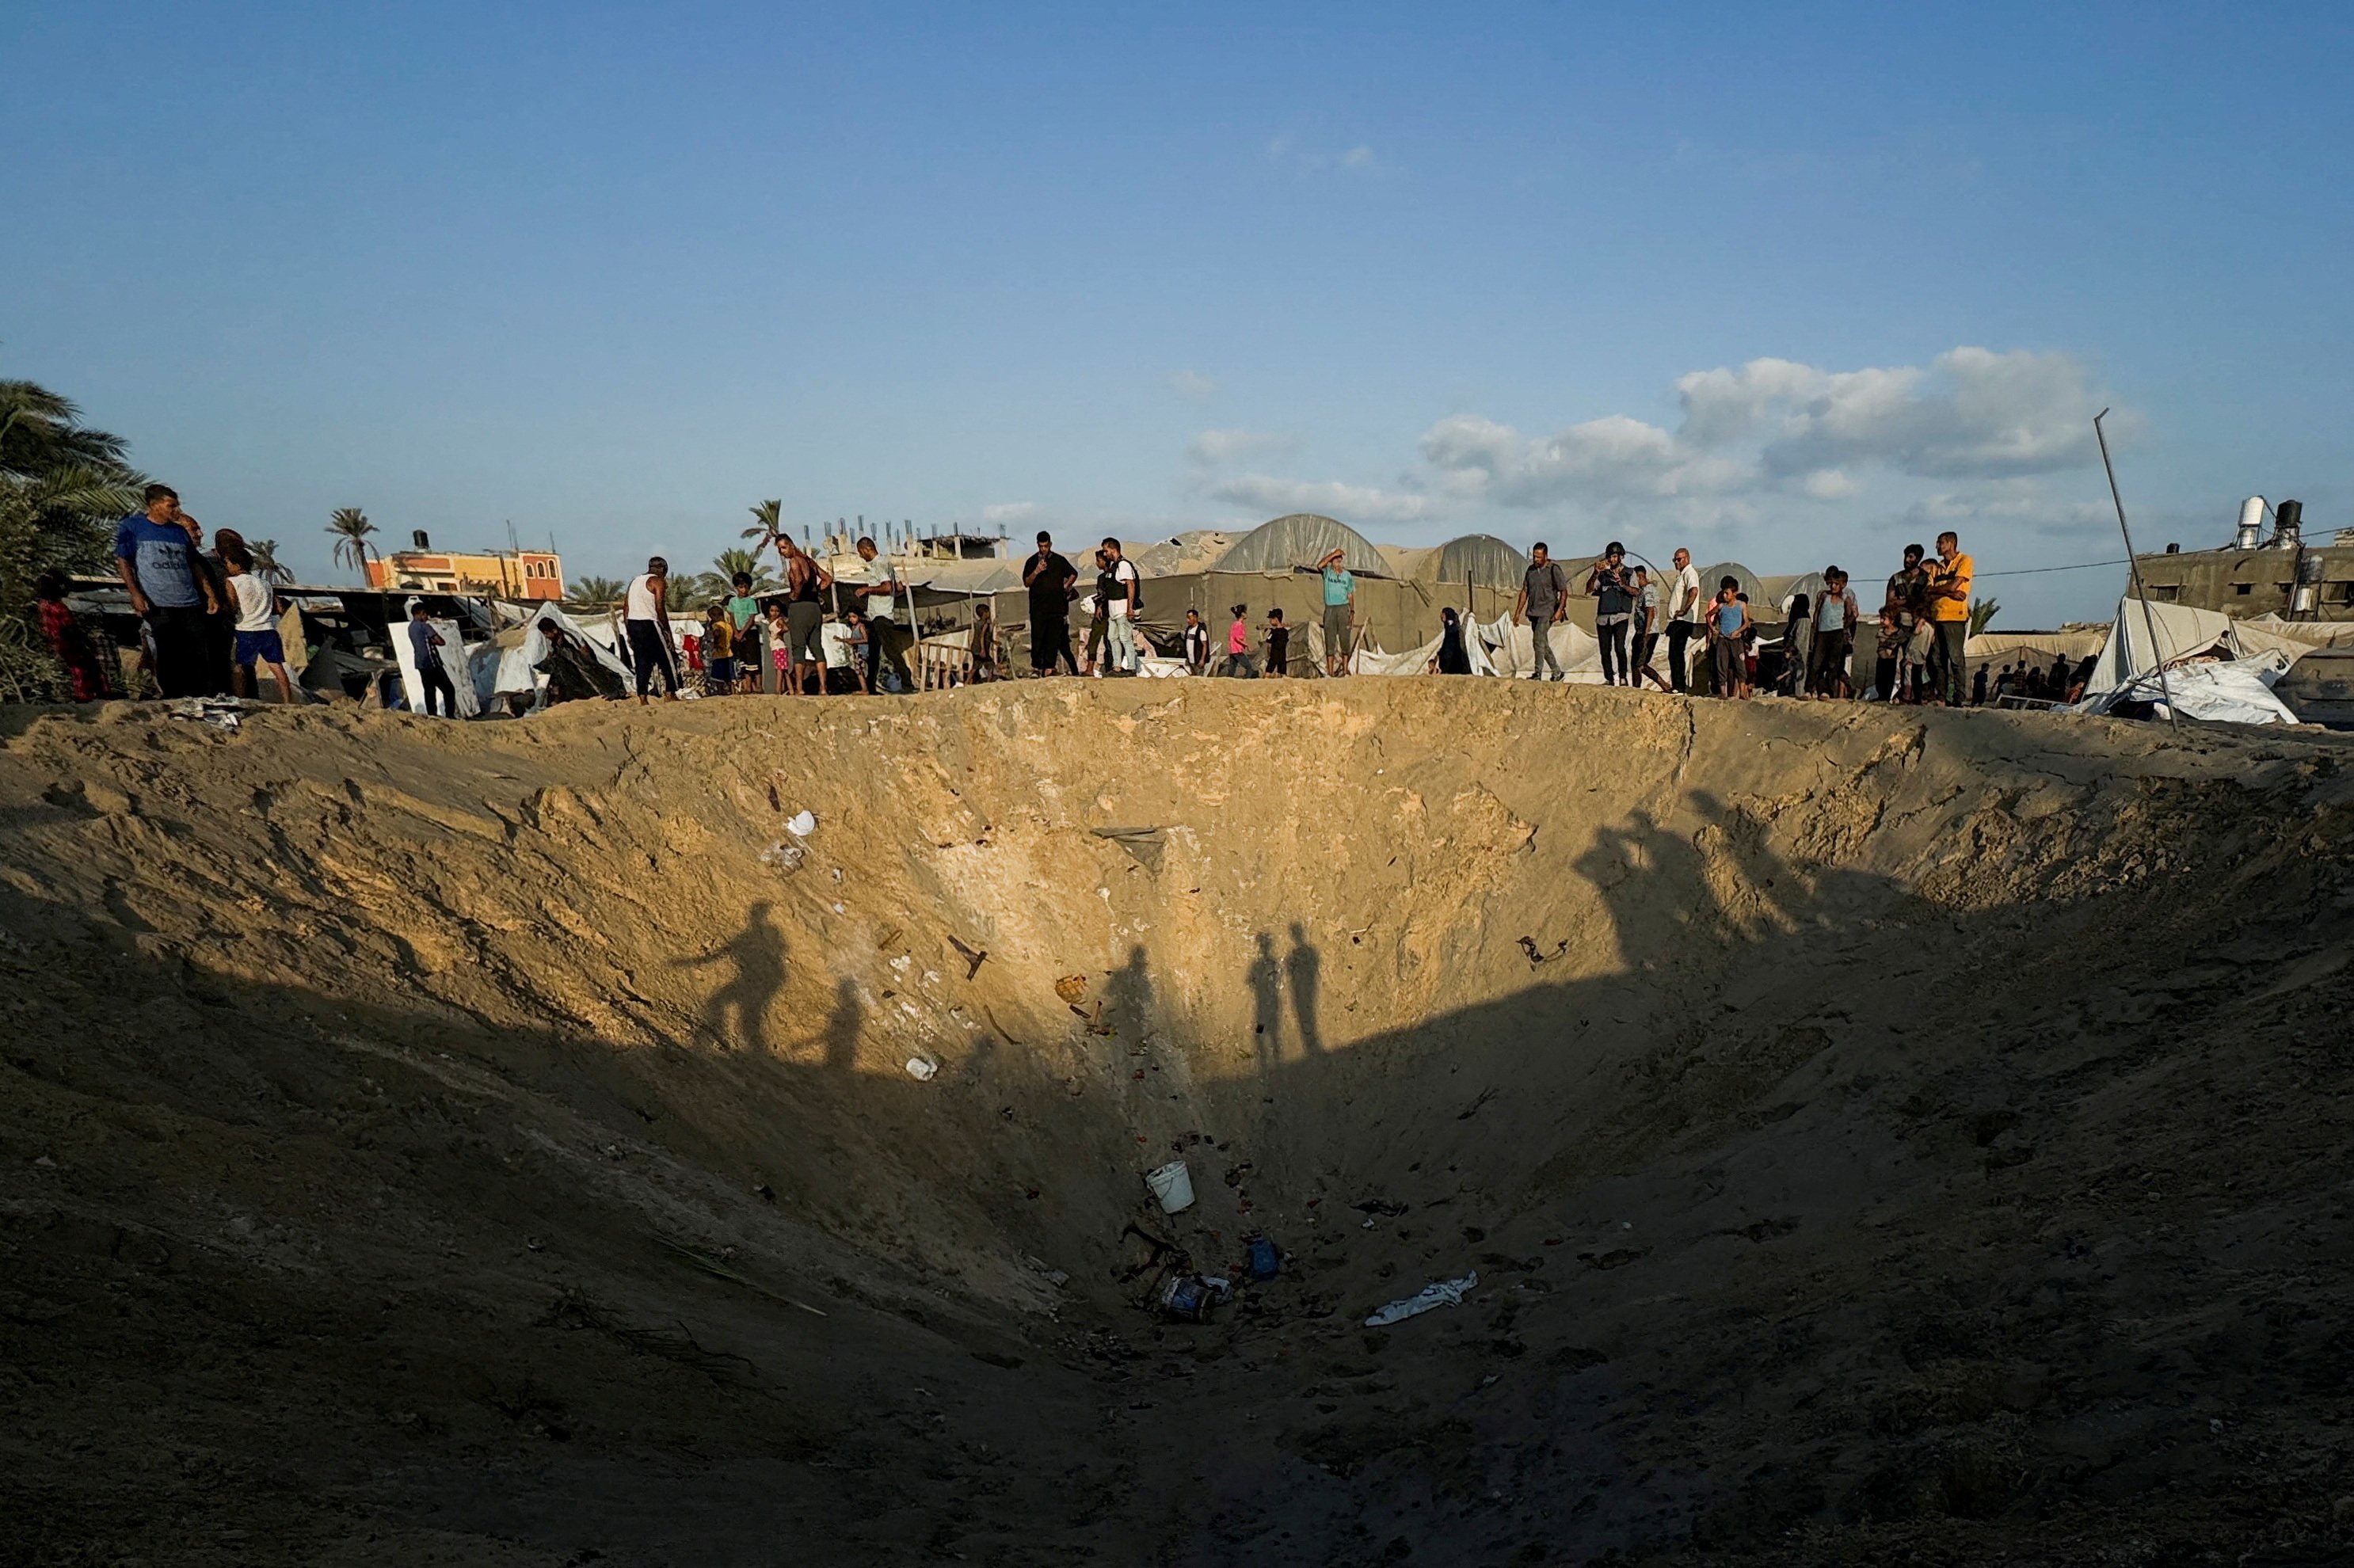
[418, 534]
[2288, 517]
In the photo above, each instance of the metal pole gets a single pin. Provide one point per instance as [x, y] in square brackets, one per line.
[2133, 570]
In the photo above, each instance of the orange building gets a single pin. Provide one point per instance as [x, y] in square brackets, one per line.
[499, 573]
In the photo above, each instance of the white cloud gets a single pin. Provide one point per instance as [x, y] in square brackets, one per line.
[1212, 447]
[1286, 150]
[1613, 458]
[1003, 513]
[1970, 413]
[1193, 383]
[1269, 496]
[1829, 484]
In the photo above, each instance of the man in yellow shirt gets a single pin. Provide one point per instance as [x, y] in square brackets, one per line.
[1949, 617]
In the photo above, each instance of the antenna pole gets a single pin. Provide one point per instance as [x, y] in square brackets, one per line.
[2133, 570]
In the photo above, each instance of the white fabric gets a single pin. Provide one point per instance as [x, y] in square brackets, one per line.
[882, 606]
[516, 671]
[1369, 660]
[2221, 692]
[645, 604]
[1688, 578]
[833, 637]
[454, 664]
[1438, 1293]
[2182, 632]
[255, 602]
[1514, 650]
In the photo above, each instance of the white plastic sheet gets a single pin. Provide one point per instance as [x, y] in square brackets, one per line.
[1438, 1293]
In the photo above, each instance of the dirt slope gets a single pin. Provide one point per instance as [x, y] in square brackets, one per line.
[1876, 1134]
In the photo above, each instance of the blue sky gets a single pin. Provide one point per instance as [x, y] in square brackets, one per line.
[1786, 284]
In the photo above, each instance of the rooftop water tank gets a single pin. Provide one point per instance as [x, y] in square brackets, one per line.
[2252, 524]
[2288, 524]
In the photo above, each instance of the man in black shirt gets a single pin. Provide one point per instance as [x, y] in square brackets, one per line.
[1049, 576]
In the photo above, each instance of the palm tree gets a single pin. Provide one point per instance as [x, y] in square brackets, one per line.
[767, 520]
[595, 593]
[1981, 612]
[730, 562]
[62, 486]
[265, 561]
[351, 527]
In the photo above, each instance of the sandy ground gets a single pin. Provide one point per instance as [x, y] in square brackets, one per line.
[1879, 1137]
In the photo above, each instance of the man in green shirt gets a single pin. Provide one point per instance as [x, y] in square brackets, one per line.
[1340, 610]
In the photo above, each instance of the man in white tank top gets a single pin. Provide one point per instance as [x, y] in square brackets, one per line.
[646, 620]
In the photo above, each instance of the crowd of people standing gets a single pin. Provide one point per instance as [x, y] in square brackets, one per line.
[210, 625]
[1918, 647]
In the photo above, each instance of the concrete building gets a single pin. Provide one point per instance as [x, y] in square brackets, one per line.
[501, 573]
[2284, 574]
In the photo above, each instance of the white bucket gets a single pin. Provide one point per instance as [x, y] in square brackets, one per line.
[1173, 1185]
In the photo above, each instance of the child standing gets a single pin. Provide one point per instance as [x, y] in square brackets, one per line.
[1728, 630]
[1891, 657]
[69, 640]
[1238, 643]
[781, 651]
[1278, 644]
[257, 641]
[718, 651]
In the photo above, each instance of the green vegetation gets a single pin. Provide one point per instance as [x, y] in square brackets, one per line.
[62, 487]
[351, 528]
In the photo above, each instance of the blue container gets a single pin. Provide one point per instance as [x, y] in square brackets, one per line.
[1266, 1263]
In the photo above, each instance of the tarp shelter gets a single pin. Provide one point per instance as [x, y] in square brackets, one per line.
[2070, 643]
[2147, 635]
[1483, 560]
[1301, 540]
[1744, 580]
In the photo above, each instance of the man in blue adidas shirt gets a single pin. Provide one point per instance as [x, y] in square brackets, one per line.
[156, 558]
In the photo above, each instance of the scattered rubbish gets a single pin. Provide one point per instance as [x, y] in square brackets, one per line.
[1468, 1112]
[1234, 1173]
[1529, 945]
[921, 1070]
[1095, 1025]
[1188, 1297]
[1070, 988]
[219, 712]
[785, 857]
[1266, 1263]
[802, 824]
[1382, 1206]
[1438, 1293]
[763, 1192]
[1173, 1184]
[973, 957]
[1144, 845]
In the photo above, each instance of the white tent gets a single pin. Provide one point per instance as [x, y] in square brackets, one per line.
[518, 668]
[2201, 662]
[1417, 661]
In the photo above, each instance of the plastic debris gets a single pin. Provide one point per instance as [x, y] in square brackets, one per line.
[785, 857]
[1173, 1184]
[1188, 1297]
[802, 824]
[1266, 1263]
[221, 713]
[1438, 1293]
[921, 1069]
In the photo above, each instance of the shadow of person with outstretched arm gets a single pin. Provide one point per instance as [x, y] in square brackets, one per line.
[739, 1008]
[1301, 966]
[841, 1027]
